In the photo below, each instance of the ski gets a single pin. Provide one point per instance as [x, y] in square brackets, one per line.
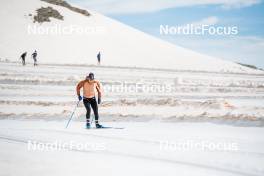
[118, 128]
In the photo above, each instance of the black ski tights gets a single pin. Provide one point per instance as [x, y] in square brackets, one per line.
[88, 102]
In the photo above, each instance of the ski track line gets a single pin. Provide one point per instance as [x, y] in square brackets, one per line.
[93, 135]
[127, 139]
[101, 136]
[190, 164]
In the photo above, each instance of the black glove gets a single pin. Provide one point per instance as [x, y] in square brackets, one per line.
[99, 100]
[80, 97]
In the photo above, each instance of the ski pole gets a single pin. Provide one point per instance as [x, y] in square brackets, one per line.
[72, 114]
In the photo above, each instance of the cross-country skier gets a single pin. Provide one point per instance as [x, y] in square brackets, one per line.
[90, 86]
[23, 57]
[99, 58]
[34, 56]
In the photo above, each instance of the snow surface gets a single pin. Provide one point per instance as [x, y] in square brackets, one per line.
[120, 45]
[36, 102]
[135, 150]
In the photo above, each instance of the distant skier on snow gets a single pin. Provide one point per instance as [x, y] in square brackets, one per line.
[34, 56]
[99, 58]
[90, 86]
[23, 57]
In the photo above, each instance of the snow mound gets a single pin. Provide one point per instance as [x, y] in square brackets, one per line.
[78, 38]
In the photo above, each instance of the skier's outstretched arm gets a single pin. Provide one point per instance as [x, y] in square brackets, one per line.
[78, 89]
[99, 90]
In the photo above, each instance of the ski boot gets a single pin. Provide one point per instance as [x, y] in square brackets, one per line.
[99, 126]
[88, 126]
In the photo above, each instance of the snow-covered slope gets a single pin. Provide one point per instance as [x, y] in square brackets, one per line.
[121, 45]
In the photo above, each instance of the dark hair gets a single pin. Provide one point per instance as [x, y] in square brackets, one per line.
[91, 76]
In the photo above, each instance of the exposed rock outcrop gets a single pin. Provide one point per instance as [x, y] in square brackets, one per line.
[67, 5]
[45, 13]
